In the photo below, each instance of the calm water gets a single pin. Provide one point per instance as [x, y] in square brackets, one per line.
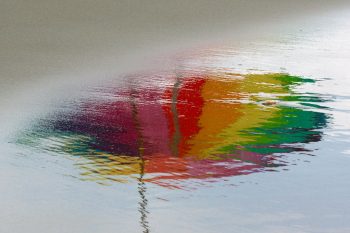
[241, 137]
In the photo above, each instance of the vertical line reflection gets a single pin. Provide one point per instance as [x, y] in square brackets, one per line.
[141, 184]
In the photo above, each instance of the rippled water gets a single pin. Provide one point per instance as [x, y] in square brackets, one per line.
[165, 129]
[245, 137]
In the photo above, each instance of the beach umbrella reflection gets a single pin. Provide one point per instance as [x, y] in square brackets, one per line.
[197, 127]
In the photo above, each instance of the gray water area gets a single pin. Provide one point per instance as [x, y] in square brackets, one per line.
[44, 189]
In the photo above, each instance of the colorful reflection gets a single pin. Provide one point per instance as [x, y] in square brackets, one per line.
[193, 127]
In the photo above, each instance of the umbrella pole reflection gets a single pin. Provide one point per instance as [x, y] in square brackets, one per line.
[177, 134]
[141, 184]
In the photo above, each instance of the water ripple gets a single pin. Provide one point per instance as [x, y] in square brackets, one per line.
[180, 126]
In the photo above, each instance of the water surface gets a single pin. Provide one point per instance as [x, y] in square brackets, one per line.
[240, 137]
